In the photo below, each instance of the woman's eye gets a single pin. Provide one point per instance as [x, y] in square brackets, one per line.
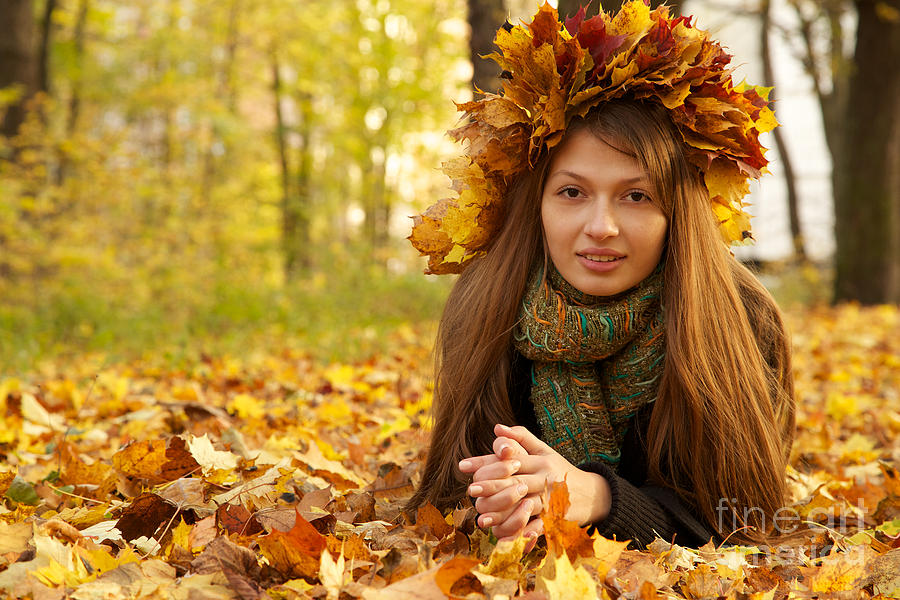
[637, 196]
[570, 192]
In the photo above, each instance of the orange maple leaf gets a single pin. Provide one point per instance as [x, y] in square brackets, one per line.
[564, 536]
[295, 553]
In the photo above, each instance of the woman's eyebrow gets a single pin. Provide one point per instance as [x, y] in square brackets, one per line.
[579, 177]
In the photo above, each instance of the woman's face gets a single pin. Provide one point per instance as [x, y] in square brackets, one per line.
[602, 221]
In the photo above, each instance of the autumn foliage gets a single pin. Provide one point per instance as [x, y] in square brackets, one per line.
[283, 478]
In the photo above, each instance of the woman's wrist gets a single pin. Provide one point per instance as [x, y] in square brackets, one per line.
[590, 498]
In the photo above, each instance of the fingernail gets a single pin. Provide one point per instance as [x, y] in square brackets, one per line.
[522, 489]
[504, 448]
[464, 464]
[531, 535]
[516, 465]
[474, 490]
[486, 521]
[529, 505]
[503, 427]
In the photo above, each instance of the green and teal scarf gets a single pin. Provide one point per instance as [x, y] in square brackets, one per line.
[595, 361]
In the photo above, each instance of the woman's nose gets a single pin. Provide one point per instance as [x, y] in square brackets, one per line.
[601, 221]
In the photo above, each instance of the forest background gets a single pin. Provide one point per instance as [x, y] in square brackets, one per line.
[188, 175]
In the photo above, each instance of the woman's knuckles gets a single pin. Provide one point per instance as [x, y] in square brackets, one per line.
[494, 505]
[497, 503]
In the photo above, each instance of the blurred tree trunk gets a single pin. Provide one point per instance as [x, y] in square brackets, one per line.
[166, 66]
[294, 212]
[228, 80]
[74, 108]
[790, 180]
[302, 204]
[375, 201]
[18, 63]
[77, 81]
[830, 74]
[287, 223]
[485, 18]
[44, 52]
[867, 188]
[218, 149]
[568, 8]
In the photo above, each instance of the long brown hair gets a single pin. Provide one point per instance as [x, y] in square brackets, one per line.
[723, 420]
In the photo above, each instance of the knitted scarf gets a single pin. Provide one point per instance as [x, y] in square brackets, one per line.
[595, 361]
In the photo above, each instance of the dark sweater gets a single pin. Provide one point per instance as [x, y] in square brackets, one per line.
[640, 511]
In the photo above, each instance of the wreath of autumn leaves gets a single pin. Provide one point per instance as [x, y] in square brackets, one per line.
[553, 73]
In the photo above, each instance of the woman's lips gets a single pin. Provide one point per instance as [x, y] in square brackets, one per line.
[600, 262]
[600, 257]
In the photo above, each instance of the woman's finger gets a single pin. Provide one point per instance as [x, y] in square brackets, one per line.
[493, 515]
[473, 463]
[527, 465]
[499, 469]
[533, 530]
[506, 448]
[489, 487]
[516, 520]
[489, 519]
[501, 502]
[538, 504]
[530, 442]
[513, 515]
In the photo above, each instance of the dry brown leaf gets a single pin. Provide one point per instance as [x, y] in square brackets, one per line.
[429, 521]
[144, 516]
[223, 554]
[294, 553]
[234, 518]
[418, 587]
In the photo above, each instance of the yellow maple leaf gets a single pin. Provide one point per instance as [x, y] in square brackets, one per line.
[102, 561]
[457, 254]
[840, 571]
[246, 406]
[606, 553]
[7, 385]
[461, 221]
[14, 537]
[506, 559]
[116, 386]
[331, 574]
[559, 580]
[180, 535]
[56, 574]
[35, 413]
[209, 458]
[7, 475]
[633, 20]
[67, 391]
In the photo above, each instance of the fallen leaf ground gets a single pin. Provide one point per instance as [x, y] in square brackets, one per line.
[277, 477]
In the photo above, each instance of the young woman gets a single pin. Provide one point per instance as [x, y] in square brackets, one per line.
[600, 331]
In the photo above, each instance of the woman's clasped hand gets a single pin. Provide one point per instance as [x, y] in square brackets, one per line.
[508, 485]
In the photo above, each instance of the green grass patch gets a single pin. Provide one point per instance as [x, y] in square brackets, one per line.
[331, 317]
